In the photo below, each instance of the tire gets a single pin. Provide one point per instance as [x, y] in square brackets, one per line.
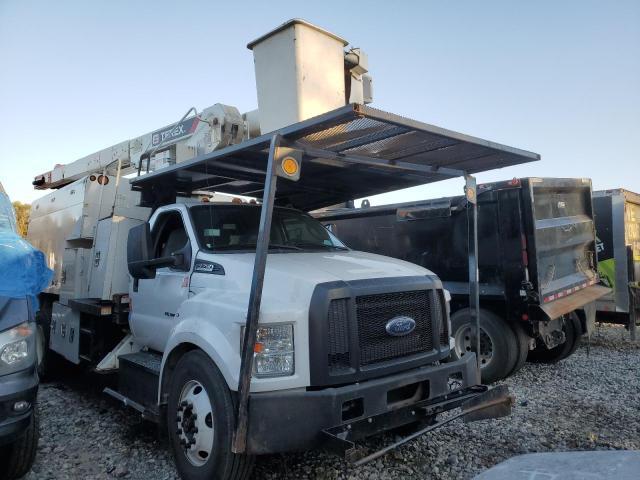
[42, 347]
[499, 350]
[48, 361]
[17, 458]
[196, 375]
[573, 333]
[46, 357]
[522, 343]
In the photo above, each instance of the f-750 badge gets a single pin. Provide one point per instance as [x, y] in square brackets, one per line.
[202, 266]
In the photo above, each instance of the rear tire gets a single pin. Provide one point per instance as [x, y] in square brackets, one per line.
[573, 333]
[498, 349]
[522, 342]
[201, 413]
[47, 358]
[42, 345]
[16, 459]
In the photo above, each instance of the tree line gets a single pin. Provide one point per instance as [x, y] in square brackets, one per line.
[22, 217]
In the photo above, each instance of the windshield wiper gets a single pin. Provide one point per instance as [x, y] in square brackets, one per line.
[271, 245]
[253, 246]
[280, 245]
[320, 245]
[283, 246]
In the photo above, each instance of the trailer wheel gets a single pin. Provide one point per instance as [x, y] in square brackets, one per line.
[573, 333]
[522, 342]
[17, 458]
[200, 421]
[498, 348]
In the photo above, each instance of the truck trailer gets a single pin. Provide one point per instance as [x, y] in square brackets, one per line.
[227, 322]
[537, 265]
[617, 216]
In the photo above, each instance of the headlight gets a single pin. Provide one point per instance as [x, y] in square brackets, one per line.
[273, 351]
[16, 348]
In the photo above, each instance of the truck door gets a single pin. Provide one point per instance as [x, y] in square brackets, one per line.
[157, 302]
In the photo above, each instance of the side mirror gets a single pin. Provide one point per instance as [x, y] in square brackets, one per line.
[182, 258]
[139, 252]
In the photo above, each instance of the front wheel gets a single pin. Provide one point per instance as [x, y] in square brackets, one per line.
[201, 422]
[17, 458]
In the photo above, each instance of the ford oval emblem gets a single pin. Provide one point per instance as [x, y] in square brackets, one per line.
[399, 326]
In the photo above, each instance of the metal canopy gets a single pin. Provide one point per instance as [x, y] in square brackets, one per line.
[352, 152]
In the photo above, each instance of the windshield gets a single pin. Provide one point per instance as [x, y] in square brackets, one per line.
[235, 227]
[7, 215]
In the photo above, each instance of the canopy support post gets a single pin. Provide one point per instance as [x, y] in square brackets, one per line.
[474, 278]
[255, 296]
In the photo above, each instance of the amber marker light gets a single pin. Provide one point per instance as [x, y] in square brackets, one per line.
[290, 166]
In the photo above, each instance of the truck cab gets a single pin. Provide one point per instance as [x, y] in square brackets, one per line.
[348, 334]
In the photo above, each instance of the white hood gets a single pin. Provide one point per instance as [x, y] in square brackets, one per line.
[318, 267]
[289, 283]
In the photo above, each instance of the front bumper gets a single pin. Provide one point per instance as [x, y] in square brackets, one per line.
[15, 387]
[298, 419]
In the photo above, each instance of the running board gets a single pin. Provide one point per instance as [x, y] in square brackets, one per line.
[138, 381]
[145, 412]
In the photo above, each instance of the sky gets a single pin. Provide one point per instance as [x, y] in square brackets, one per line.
[561, 79]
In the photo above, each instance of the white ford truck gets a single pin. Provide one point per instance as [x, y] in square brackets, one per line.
[245, 327]
[348, 335]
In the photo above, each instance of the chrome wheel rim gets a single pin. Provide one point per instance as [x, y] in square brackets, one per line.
[465, 342]
[195, 423]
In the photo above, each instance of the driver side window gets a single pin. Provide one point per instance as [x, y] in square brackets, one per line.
[169, 235]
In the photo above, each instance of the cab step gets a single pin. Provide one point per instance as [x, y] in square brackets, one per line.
[138, 380]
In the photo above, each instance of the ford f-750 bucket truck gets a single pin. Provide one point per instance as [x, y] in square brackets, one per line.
[228, 323]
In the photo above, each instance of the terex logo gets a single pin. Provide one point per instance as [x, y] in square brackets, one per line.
[182, 129]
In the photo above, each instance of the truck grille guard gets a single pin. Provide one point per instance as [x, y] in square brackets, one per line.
[478, 402]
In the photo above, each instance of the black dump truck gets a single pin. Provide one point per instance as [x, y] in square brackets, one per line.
[537, 263]
[617, 216]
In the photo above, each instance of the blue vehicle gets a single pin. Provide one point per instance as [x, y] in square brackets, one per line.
[23, 273]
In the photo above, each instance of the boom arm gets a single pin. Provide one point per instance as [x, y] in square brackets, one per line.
[214, 128]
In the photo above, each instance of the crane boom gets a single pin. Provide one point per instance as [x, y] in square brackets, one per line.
[215, 127]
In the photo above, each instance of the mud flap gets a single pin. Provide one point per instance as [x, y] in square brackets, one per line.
[494, 403]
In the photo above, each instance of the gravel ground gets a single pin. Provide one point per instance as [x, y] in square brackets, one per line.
[589, 401]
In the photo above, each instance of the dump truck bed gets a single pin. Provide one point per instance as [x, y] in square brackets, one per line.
[536, 241]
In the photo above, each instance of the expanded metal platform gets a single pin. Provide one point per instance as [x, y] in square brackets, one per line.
[352, 152]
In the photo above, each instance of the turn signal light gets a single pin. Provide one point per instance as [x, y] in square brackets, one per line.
[290, 166]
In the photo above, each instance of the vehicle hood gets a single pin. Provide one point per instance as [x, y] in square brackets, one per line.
[320, 266]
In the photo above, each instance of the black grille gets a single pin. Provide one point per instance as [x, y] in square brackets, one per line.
[375, 311]
[338, 351]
